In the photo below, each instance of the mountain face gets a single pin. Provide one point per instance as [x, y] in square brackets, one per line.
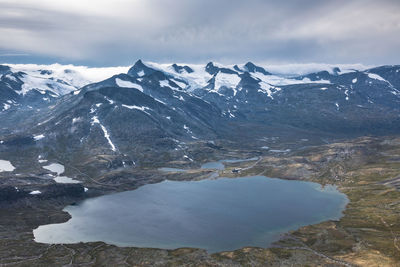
[35, 86]
[18, 88]
[154, 111]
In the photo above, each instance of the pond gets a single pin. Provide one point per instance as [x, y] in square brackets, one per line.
[219, 165]
[216, 215]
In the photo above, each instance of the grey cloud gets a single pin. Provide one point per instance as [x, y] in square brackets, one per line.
[225, 30]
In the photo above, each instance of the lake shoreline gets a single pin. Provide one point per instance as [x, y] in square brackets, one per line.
[240, 189]
[288, 249]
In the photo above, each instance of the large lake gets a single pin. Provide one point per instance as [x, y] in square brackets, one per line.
[217, 215]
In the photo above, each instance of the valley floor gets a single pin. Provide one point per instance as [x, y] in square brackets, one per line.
[367, 170]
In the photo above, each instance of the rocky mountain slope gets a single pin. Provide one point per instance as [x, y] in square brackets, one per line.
[155, 111]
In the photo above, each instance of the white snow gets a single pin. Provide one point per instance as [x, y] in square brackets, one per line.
[140, 73]
[227, 80]
[165, 83]
[55, 167]
[198, 78]
[266, 88]
[6, 106]
[346, 92]
[354, 80]
[109, 100]
[128, 84]
[41, 84]
[158, 100]
[281, 75]
[306, 68]
[142, 108]
[324, 88]
[95, 120]
[187, 129]
[187, 157]
[65, 180]
[76, 76]
[38, 137]
[274, 80]
[376, 77]
[10, 77]
[42, 160]
[86, 189]
[231, 114]
[6, 166]
[75, 120]
[35, 192]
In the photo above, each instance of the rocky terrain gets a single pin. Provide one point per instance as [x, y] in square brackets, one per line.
[364, 169]
[336, 126]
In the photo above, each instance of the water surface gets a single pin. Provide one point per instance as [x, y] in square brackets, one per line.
[219, 165]
[216, 215]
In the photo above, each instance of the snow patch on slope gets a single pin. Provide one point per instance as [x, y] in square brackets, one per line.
[227, 80]
[128, 84]
[95, 120]
[376, 77]
[76, 76]
[43, 84]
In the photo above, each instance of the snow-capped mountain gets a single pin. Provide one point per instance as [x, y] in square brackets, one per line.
[29, 84]
[151, 111]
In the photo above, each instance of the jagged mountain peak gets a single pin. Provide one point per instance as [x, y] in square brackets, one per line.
[181, 69]
[139, 69]
[211, 68]
[4, 69]
[251, 67]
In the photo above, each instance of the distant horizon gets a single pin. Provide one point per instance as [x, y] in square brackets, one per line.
[278, 69]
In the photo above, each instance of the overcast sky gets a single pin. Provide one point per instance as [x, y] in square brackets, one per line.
[117, 32]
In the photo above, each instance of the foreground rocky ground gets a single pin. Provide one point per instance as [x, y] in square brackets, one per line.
[367, 170]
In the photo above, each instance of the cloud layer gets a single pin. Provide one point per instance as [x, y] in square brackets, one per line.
[120, 31]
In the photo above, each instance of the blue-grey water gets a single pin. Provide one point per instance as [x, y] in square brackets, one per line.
[216, 215]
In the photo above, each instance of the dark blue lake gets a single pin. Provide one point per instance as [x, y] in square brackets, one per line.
[216, 215]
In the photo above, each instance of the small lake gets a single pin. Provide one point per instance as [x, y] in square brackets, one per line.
[216, 215]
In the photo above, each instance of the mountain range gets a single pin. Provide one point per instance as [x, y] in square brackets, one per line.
[157, 112]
